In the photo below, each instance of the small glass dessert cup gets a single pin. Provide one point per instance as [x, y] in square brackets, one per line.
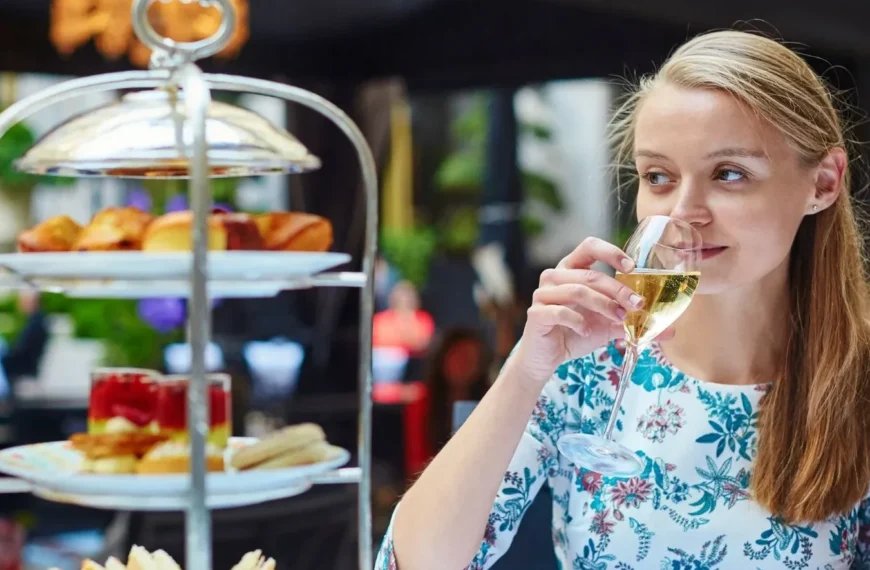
[122, 400]
[171, 413]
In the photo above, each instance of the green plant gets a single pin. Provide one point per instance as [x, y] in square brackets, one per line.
[460, 180]
[129, 340]
[409, 251]
[13, 144]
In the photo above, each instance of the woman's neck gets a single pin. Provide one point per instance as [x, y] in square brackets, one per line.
[737, 337]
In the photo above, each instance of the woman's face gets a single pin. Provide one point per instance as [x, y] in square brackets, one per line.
[707, 159]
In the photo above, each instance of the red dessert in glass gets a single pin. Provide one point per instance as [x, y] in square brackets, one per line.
[171, 413]
[122, 400]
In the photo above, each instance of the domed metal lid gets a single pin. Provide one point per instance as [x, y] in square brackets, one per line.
[144, 135]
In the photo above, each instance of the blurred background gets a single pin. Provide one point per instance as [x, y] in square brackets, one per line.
[487, 120]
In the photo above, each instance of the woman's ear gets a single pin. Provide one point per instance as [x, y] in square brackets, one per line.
[829, 178]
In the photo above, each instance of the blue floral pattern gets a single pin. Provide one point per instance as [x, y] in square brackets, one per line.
[689, 509]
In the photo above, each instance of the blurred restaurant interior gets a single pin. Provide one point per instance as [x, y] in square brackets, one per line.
[486, 121]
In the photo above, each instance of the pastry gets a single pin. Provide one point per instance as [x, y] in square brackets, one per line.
[113, 453]
[140, 559]
[100, 446]
[255, 561]
[307, 455]
[294, 231]
[114, 564]
[174, 457]
[114, 229]
[301, 444]
[54, 234]
[226, 232]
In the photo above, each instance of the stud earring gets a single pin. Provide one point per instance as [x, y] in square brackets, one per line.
[815, 208]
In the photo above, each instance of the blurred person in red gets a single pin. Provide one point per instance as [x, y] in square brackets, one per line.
[404, 324]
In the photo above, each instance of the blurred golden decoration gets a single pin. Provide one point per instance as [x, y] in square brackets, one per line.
[398, 189]
[109, 24]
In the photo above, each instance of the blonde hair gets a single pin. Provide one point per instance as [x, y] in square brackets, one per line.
[813, 455]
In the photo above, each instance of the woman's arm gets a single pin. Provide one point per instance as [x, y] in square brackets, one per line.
[442, 520]
[443, 517]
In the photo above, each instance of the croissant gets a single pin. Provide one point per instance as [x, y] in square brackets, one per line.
[54, 234]
[114, 229]
[295, 231]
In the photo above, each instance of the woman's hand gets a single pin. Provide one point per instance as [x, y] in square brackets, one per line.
[575, 310]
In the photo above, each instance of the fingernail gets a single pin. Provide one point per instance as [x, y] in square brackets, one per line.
[621, 313]
[636, 300]
[627, 264]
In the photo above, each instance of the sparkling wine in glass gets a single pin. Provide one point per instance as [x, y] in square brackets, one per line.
[666, 253]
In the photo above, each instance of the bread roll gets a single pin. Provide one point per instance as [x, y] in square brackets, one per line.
[114, 229]
[58, 233]
[295, 231]
[226, 232]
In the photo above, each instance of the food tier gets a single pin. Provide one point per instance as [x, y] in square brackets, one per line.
[126, 253]
[137, 447]
[131, 229]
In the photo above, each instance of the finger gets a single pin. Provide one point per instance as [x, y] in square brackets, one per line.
[624, 295]
[594, 249]
[579, 296]
[558, 316]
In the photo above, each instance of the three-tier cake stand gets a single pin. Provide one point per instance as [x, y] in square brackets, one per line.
[172, 128]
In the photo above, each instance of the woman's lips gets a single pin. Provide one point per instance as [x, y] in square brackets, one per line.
[712, 251]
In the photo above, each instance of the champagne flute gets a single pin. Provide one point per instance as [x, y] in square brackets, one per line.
[666, 253]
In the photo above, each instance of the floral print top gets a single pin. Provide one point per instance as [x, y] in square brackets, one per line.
[689, 509]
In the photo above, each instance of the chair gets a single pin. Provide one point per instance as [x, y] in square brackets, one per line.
[532, 547]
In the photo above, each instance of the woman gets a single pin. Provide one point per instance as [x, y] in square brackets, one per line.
[752, 418]
[404, 325]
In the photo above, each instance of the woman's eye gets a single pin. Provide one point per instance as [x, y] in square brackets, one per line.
[729, 175]
[657, 178]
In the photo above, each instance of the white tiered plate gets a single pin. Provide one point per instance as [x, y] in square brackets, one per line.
[140, 265]
[55, 467]
[156, 503]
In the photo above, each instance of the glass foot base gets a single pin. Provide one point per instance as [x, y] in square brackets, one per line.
[600, 455]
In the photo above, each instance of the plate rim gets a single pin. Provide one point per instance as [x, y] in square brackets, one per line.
[223, 483]
[120, 502]
[116, 265]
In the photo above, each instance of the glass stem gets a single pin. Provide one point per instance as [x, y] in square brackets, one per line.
[628, 365]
